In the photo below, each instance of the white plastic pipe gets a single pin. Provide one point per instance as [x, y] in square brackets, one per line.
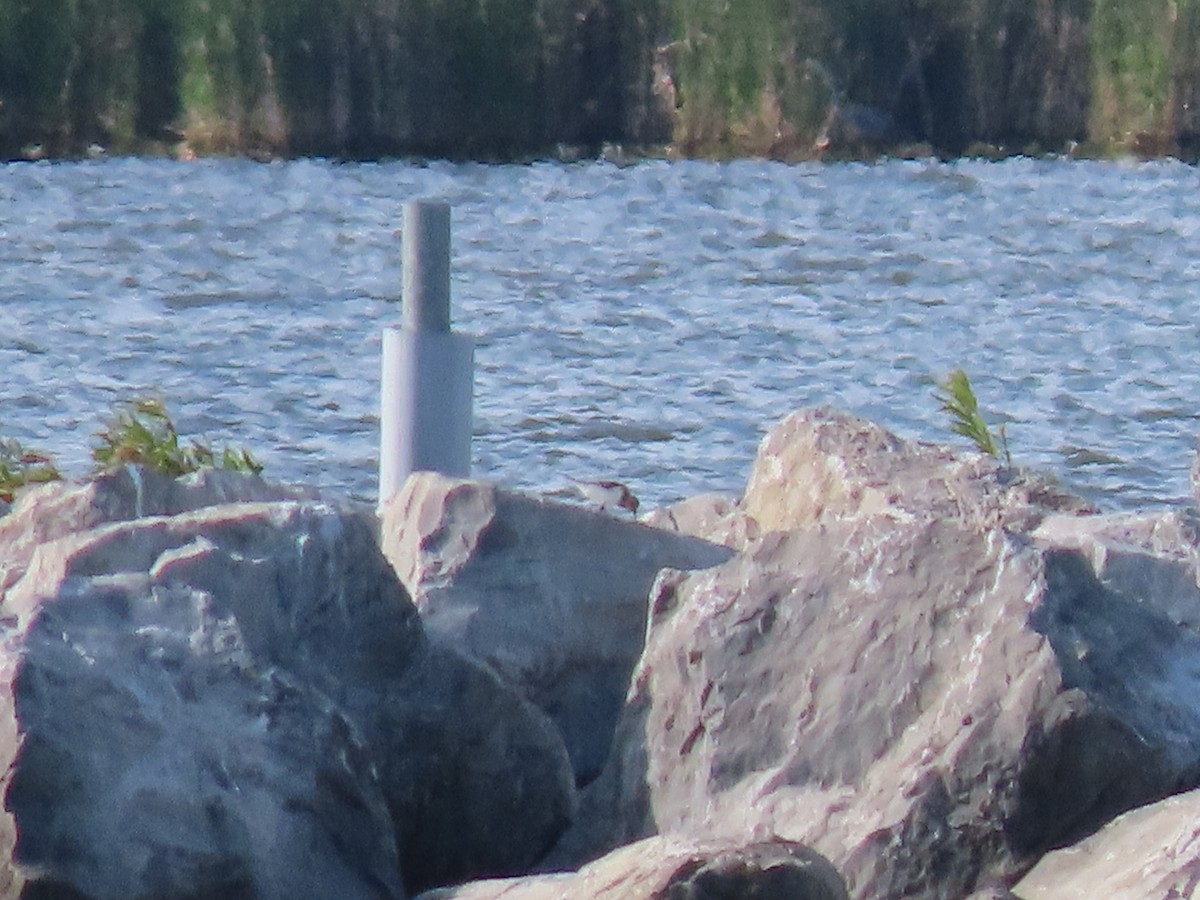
[428, 376]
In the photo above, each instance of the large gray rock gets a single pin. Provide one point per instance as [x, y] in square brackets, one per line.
[53, 510]
[241, 701]
[159, 737]
[1152, 853]
[550, 595]
[901, 679]
[662, 868]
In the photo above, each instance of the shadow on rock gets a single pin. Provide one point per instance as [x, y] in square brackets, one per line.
[240, 700]
[550, 595]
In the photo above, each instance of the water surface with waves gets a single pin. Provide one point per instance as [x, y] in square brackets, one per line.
[647, 323]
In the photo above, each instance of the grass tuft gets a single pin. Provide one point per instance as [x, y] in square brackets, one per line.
[142, 432]
[959, 402]
[20, 467]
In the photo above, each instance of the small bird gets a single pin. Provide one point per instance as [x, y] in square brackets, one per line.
[607, 494]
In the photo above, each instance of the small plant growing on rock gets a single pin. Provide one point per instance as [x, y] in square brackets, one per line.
[959, 402]
[142, 432]
[20, 467]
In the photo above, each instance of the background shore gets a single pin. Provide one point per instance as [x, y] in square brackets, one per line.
[523, 79]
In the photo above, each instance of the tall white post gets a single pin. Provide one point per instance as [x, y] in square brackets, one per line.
[427, 382]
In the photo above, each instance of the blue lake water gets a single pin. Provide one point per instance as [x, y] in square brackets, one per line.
[647, 323]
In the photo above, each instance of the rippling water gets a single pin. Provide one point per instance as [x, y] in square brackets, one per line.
[648, 322]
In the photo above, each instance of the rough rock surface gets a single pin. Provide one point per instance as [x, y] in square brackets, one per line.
[713, 517]
[241, 702]
[1152, 853]
[661, 868]
[820, 463]
[897, 680]
[550, 595]
[61, 508]
[932, 670]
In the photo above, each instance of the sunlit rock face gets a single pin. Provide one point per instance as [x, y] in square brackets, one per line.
[550, 595]
[130, 492]
[670, 867]
[718, 518]
[821, 463]
[916, 669]
[241, 701]
[1147, 852]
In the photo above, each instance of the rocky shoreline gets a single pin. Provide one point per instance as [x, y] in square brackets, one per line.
[888, 669]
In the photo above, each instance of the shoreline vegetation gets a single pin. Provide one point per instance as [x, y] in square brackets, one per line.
[515, 80]
[137, 432]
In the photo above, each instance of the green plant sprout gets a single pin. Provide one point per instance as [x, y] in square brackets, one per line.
[142, 432]
[20, 466]
[959, 402]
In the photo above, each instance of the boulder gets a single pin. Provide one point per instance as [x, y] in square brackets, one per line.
[900, 676]
[59, 508]
[888, 670]
[241, 701]
[1154, 556]
[717, 518]
[923, 703]
[817, 463]
[550, 595]
[662, 868]
[1152, 853]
